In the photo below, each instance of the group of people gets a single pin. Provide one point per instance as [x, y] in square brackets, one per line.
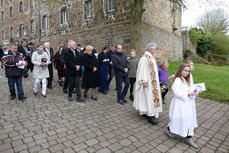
[79, 68]
[149, 96]
[18, 60]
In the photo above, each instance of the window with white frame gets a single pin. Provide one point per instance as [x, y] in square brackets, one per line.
[31, 4]
[45, 22]
[3, 35]
[11, 32]
[111, 5]
[2, 2]
[63, 16]
[21, 30]
[20, 7]
[32, 26]
[88, 9]
[3, 16]
[11, 11]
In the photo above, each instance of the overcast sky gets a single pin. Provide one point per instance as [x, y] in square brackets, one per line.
[197, 7]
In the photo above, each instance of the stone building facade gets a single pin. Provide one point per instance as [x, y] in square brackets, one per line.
[95, 22]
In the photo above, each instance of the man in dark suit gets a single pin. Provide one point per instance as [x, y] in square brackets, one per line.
[73, 70]
[121, 68]
[26, 53]
[49, 50]
[64, 51]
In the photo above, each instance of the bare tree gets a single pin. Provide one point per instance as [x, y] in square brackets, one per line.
[214, 21]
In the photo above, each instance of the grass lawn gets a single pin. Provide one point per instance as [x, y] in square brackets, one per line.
[216, 79]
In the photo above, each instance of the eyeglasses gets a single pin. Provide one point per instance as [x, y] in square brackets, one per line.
[187, 71]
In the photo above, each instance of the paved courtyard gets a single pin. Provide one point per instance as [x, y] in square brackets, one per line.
[54, 125]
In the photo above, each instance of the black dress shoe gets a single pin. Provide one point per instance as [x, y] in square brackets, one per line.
[94, 98]
[144, 115]
[12, 97]
[124, 100]
[121, 102]
[61, 84]
[152, 120]
[50, 87]
[85, 94]
[131, 97]
[22, 98]
[80, 100]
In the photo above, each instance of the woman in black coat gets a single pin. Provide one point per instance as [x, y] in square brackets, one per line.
[91, 75]
[59, 65]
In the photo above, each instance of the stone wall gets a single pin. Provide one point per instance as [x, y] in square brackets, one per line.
[157, 26]
[102, 28]
[170, 45]
[98, 36]
[18, 18]
[159, 13]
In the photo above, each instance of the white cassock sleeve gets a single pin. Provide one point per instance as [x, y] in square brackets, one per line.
[179, 91]
[142, 72]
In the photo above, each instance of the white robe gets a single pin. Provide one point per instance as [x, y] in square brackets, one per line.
[147, 100]
[182, 115]
[193, 101]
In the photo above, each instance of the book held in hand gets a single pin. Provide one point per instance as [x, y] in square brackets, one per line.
[199, 87]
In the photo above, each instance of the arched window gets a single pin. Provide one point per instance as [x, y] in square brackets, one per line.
[32, 26]
[111, 5]
[11, 11]
[11, 32]
[2, 2]
[3, 16]
[45, 22]
[63, 16]
[31, 4]
[3, 35]
[21, 29]
[88, 9]
[20, 7]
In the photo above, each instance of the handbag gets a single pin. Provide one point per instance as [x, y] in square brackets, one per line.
[25, 73]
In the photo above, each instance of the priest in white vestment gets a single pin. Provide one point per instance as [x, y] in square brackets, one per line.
[147, 98]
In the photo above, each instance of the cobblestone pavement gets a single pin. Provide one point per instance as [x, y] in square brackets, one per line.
[53, 124]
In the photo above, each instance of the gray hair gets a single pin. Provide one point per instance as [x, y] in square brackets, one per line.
[69, 43]
[13, 45]
[46, 43]
[150, 46]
